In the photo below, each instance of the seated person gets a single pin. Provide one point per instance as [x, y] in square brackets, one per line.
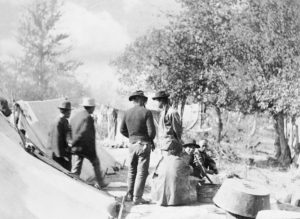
[4, 108]
[197, 157]
[171, 182]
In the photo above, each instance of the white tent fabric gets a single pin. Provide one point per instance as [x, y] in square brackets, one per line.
[32, 189]
[39, 116]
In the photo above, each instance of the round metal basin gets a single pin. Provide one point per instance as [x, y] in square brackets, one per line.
[242, 197]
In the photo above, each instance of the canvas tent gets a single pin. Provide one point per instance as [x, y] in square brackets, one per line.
[37, 119]
[32, 189]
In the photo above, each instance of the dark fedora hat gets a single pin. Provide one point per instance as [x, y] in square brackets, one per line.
[160, 95]
[190, 143]
[138, 93]
[65, 105]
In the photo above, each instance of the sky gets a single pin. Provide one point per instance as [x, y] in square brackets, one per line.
[99, 30]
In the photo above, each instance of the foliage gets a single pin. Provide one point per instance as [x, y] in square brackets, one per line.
[44, 64]
[234, 55]
[267, 49]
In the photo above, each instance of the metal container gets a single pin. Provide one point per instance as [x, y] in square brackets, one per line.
[242, 198]
[277, 214]
[206, 192]
[234, 216]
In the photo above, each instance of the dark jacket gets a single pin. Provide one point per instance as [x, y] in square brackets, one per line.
[83, 133]
[138, 125]
[4, 107]
[200, 160]
[58, 137]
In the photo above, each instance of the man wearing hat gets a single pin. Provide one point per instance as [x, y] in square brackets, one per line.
[169, 127]
[59, 136]
[84, 140]
[200, 161]
[4, 109]
[138, 125]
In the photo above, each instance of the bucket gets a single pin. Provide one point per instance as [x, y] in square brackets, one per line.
[206, 192]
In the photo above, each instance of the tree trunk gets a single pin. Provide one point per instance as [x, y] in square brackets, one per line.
[220, 124]
[200, 114]
[285, 155]
[182, 109]
[254, 127]
[239, 118]
[276, 142]
[296, 136]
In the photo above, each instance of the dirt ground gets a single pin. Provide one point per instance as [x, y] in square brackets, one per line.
[278, 181]
[118, 187]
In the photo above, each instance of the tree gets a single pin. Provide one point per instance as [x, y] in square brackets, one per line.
[158, 61]
[44, 61]
[267, 48]
[185, 57]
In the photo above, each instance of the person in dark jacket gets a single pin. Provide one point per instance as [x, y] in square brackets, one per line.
[84, 140]
[4, 109]
[60, 135]
[138, 125]
[196, 156]
[202, 163]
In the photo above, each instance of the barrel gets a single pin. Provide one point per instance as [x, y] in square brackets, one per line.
[206, 192]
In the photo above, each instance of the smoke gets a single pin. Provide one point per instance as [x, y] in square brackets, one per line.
[107, 93]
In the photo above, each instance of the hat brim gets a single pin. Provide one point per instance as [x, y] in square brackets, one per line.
[191, 145]
[65, 108]
[131, 97]
[161, 97]
[89, 105]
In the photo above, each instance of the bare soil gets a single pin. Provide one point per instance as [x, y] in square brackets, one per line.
[255, 164]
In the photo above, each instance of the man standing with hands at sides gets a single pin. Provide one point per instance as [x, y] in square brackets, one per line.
[84, 140]
[138, 125]
[59, 136]
[169, 127]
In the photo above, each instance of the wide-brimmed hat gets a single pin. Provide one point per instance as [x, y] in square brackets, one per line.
[190, 143]
[65, 105]
[88, 101]
[160, 95]
[138, 93]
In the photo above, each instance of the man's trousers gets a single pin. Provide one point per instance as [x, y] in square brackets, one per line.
[139, 158]
[77, 161]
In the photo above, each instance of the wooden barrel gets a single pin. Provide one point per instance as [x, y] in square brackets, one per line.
[277, 214]
[241, 197]
[206, 192]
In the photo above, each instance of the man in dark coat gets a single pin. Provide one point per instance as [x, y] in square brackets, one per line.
[201, 162]
[59, 136]
[4, 109]
[84, 140]
[138, 125]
